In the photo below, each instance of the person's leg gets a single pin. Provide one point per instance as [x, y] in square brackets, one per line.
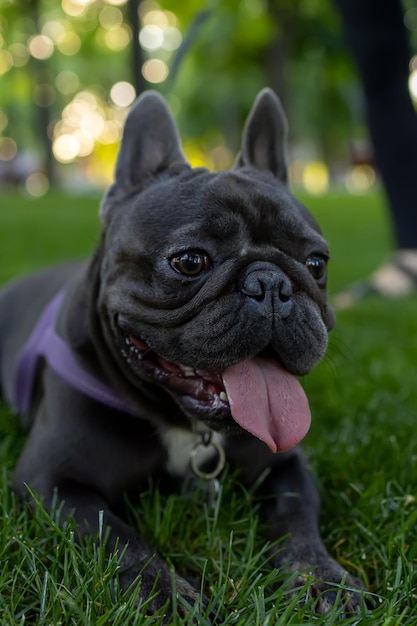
[378, 41]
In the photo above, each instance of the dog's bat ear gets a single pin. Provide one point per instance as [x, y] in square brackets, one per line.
[264, 138]
[150, 145]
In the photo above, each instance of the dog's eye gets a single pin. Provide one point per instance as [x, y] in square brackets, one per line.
[317, 266]
[191, 263]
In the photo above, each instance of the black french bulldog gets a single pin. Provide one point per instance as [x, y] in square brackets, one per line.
[184, 334]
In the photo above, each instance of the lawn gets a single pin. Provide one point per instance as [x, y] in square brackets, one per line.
[361, 447]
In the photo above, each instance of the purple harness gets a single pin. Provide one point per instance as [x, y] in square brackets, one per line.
[45, 342]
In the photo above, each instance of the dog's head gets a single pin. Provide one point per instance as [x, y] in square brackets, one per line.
[213, 285]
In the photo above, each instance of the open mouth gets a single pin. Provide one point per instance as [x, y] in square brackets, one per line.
[204, 389]
[258, 394]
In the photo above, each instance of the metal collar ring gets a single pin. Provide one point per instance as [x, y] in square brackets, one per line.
[207, 442]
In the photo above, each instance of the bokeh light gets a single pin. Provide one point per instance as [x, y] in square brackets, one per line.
[65, 148]
[55, 30]
[90, 128]
[118, 37]
[122, 94]
[159, 35]
[172, 38]
[155, 70]
[37, 184]
[74, 8]
[110, 17]
[159, 29]
[154, 16]
[413, 63]
[81, 125]
[315, 177]
[8, 148]
[67, 82]
[20, 54]
[151, 37]
[410, 18]
[145, 7]
[69, 44]
[412, 84]
[85, 140]
[41, 47]
[151, 13]
[6, 61]
[360, 179]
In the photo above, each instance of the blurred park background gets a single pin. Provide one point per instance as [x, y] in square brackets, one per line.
[70, 69]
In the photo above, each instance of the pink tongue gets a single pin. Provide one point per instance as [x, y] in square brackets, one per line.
[268, 402]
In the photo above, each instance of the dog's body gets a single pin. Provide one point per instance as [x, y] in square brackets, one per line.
[205, 298]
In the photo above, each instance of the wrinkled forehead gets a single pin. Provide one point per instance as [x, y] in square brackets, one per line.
[245, 204]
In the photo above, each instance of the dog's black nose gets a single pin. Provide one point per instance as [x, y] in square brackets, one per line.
[267, 284]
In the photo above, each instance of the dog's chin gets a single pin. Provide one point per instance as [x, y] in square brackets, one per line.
[199, 393]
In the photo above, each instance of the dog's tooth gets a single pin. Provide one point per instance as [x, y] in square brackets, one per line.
[187, 371]
[223, 396]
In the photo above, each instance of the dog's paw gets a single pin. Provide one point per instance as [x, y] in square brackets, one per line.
[345, 592]
[327, 586]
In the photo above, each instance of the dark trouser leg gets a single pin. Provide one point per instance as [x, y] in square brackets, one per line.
[378, 41]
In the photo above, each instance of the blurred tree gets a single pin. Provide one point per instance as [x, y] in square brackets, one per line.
[294, 46]
[137, 54]
[41, 89]
[51, 51]
[232, 49]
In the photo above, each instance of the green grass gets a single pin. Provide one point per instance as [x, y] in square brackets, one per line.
[362, 449]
